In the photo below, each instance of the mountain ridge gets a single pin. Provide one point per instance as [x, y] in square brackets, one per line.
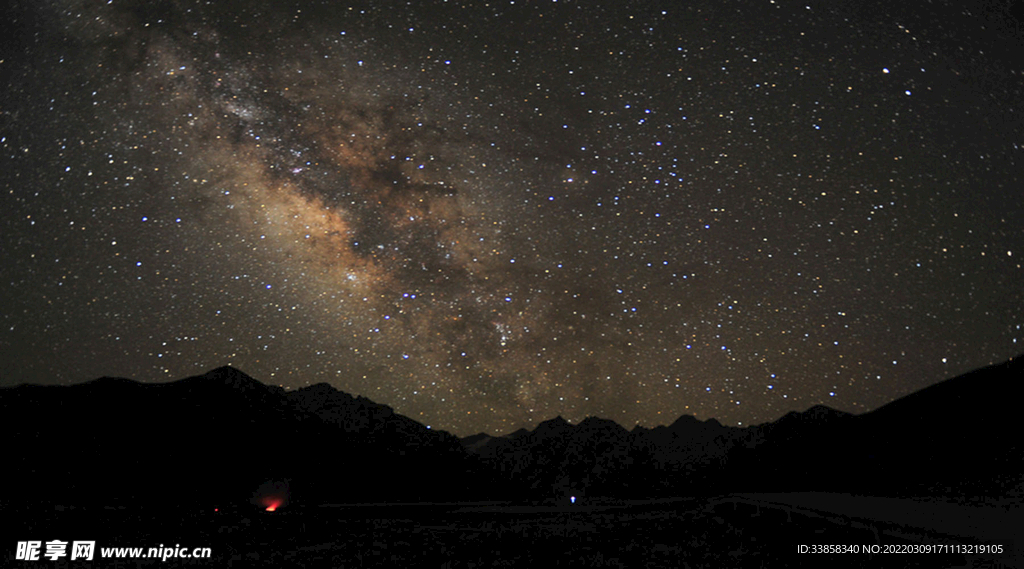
[238, 433]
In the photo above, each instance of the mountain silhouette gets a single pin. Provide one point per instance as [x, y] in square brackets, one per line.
[214, 439]
[952, 439]
[219, 437]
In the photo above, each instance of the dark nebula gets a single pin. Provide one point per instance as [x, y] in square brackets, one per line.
[489, 214]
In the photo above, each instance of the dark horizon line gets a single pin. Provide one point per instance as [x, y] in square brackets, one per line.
[538, 424]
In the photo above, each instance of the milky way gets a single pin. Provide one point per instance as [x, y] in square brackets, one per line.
[486, 215]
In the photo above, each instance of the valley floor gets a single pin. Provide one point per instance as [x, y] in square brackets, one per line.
[741, 530]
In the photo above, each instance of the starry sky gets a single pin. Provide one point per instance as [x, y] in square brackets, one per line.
[487, 214]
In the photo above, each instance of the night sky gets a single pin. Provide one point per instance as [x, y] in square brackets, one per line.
[488, 214]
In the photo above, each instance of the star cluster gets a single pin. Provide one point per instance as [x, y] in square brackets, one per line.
[489, 214]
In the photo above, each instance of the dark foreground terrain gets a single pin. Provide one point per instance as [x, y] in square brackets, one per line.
[726, 531]
[195, 463]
